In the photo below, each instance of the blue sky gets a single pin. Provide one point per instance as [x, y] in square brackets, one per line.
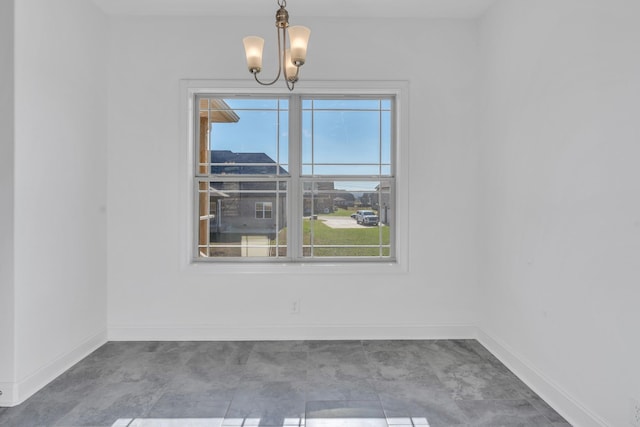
[343, 133]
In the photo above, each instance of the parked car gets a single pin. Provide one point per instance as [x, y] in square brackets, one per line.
[367, 218]
[354, 215]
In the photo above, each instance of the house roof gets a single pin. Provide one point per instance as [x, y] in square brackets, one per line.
[228, 162]
[217, 111]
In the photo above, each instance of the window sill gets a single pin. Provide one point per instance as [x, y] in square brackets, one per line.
[323, 268]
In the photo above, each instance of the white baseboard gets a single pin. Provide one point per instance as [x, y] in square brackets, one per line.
[15, 394]
[288, 332]
[570, 408]
[9, 391]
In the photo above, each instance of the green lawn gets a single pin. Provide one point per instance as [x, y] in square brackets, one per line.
[324, 235]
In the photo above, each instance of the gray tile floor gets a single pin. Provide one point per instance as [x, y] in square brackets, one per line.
[286, 383]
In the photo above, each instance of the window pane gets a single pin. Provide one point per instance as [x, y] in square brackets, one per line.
[346, 104]
[346, 137]
[346, 219]
[373, 169]
[243, 136]
[252, 104]
[385, 138]
[307, 140]
[283, 154]
[242, 219]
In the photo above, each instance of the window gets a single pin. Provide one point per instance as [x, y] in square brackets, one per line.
[263, 210]
[294, 178]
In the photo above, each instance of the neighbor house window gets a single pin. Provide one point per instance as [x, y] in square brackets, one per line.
[263, 210]
[294, 178]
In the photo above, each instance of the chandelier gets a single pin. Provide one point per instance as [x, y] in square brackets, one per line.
[290, 59]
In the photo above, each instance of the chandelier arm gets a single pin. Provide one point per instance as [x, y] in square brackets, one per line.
[280, 62]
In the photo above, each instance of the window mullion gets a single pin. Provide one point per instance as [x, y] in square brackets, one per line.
[294, 228]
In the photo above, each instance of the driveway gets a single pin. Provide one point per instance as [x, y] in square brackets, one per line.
[340, 222]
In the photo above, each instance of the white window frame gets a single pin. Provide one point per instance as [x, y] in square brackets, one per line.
[397, 89]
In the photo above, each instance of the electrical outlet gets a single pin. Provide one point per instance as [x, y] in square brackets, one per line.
[295, 307]
[635, 413]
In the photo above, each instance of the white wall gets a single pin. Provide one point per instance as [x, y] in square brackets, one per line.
[60, 187]
[6, 200]
[152, 296]
[560, 212]
[559, 223]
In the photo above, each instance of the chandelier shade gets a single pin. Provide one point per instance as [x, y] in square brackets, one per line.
[253, 47]
[290, 70]
[299, 39]
[291, 56]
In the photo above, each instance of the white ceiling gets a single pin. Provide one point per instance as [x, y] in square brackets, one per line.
[320, 8]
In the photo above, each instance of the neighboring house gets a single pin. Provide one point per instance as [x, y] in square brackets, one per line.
[244, 207]
[344, 199]
[379, 201]
[225, 162]
[249, 207]
[320, 200]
